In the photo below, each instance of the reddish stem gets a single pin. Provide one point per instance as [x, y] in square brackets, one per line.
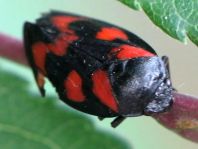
[12, 49]
[182, 118]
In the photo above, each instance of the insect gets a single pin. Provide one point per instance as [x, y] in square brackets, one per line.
[96, 67]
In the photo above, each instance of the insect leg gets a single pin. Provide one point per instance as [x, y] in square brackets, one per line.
[101, 118]
[117, 121]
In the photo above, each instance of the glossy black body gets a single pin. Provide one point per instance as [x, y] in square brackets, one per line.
[140, 85]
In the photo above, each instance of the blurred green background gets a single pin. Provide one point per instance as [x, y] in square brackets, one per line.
[141, 132]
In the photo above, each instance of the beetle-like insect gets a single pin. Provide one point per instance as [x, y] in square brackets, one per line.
[96, 67]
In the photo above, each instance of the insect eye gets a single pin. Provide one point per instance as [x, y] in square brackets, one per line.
[118, 71]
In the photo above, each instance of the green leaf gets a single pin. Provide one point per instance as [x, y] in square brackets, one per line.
[178, 18]
[28, 121]
[133, 4]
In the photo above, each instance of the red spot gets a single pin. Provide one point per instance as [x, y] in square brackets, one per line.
[39, 51]
[40, 80]
[62, 22]
[111, 33]
[127, 52]
[102, 89]
[67, 36]
[60, 46]
[73, 86]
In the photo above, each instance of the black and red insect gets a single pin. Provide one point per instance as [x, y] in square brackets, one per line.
[96, 67]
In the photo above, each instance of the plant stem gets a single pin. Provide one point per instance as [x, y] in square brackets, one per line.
[12, 49]
[182, 117]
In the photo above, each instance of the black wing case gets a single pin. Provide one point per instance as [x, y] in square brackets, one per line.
[86, 48]
[32, 34]
[87, 28]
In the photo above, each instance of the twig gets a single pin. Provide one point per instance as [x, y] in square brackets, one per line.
[183, 117]
[12, 49]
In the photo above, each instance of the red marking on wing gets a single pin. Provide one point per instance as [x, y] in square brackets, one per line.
[61, 44]
[127, 52]
[73, 86]
[66, 37]
[62, 22]
[39, 51]
[111, 33]
[102, 89]
[40, 80]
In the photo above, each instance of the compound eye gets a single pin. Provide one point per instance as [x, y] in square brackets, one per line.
[119, 69]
